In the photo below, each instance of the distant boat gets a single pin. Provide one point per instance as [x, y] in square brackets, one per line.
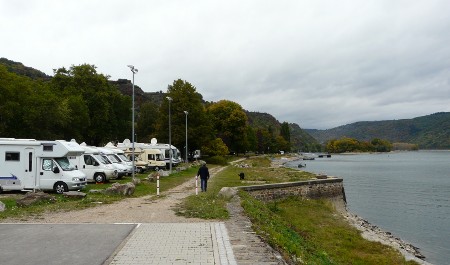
[301, 165]
[308, 158]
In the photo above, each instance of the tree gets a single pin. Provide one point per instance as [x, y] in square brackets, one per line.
[146, 122]
[216, 147]
[184, 98]
[105, 114]
[286, 134]
[230, 124]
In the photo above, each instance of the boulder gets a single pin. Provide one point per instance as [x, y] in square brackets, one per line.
[126, 189]
[74, 194]
[227, 192]
[163, 173]
[2, 207]
[34, 197]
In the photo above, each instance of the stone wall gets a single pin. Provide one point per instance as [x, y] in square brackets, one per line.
[330, 188]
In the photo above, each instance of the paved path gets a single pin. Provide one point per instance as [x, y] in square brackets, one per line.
[177, 243]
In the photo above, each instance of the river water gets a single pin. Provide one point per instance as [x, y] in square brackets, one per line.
[405, 193]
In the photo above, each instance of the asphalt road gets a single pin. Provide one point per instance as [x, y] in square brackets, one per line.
[56, 244]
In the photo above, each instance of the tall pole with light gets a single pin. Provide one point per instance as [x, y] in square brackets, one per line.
[134, 71]
[186, 155]
[170, 137]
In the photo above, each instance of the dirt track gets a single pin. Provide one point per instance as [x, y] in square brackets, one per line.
[146, 209]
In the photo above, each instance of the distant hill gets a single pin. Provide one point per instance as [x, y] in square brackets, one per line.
[300, 139]
[20, 69]
[429, 132]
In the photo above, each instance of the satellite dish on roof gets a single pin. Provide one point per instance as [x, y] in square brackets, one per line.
[127, 141]
[153, 141]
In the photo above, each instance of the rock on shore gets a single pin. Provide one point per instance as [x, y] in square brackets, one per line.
[374, 233]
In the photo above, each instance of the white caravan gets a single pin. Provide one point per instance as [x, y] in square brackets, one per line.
[107, 153]
[120, 155]
[94, 165]
[164, 148]
[140, 165]
[153, 157]
[28, 164]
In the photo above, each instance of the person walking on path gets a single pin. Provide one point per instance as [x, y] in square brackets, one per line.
[203, 172]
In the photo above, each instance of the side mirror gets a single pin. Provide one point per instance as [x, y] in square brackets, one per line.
[55, 170]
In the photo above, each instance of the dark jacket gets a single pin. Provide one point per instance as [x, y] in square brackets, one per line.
[203, 172]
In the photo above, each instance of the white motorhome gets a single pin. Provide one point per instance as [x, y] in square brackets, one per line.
[28, 164]
[120, 155]
[153, 157]
[140, 165]
[107, 153]
[164, 148]
[94, 165]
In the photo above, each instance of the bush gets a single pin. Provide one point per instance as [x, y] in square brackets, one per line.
[216, 160]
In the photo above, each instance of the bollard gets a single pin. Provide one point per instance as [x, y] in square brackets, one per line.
[196, 185]
[157, 185]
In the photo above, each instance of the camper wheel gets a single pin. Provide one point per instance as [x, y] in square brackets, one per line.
[156, 168]
[99, 178]
[60, 187]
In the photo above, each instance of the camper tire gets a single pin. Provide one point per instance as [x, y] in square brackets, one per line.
[60, 187]
[156, 168]
[99, 178]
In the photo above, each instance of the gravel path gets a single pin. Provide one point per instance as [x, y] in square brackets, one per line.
[146, 209]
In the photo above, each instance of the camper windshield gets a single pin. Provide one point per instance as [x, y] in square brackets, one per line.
[64, 163]
[113, 159]
[124, 158]
[102, 159]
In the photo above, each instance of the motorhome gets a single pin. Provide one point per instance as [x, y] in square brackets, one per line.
[122, 170]
[140, 165]
[94, 165]
[28, 164]
[120, 155]
[153, 157]
[166, 149]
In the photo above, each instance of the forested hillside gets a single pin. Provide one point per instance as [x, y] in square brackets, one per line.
[429, 132]
[78, 102]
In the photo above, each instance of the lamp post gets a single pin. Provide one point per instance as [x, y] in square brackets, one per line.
[170, 137]
[134, 71]
[186, 155]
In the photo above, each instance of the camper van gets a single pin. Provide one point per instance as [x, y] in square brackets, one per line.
[94, 165]
[28, 164]
[120, 155]
[153, 157]
[164, 148]
[122, 169]
[140, 165]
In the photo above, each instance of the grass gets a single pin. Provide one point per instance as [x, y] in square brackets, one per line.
[304, 231]
[210, 205]
[62, 203]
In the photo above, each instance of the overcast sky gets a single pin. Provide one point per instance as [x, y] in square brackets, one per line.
[317, 63]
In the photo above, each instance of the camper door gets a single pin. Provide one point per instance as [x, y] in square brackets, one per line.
[48, 173]
[29, 180]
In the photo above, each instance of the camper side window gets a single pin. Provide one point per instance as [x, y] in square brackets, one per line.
[88, 160]
[47, 164]
[12, 156]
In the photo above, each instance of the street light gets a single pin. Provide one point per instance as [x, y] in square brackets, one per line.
[170, 137]
[185, 112]
[134, 70]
